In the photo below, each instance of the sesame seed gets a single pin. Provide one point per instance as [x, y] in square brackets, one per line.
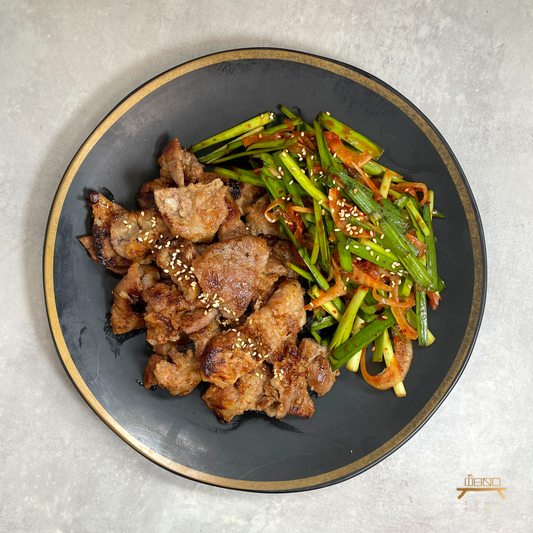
[328, 113]
[142, 213]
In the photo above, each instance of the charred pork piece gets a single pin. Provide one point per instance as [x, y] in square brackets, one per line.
[103, 212]
[231, 271]
[203, 337]
[284, 252]
[247, 394]
[233, 226]
[178, 372]
[127, 312]
[194, 212]
[245, 195]
[88, 243]
[175, 258]
[320, 377]
[145, 197]
[257, 222]
[179, 165]
[134, 235]
[238, 351]
[169, 315]
[271, 277]
[289, 385]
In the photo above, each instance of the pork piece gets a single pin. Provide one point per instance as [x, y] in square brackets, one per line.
[169, 315]
[194, 212]
[284, 252]
[203, 337]
[127, 312]
[103, 211]
[320, 377]
[88, 243]
[245, 195]
[145, 197]
[175, 258]
[135, 234]
[246, 395]
[231, 270]
[257, 222]
[270, 279]
[179, 165]
[238, 351]
[233, 226]
[178, 372]
[289, 386]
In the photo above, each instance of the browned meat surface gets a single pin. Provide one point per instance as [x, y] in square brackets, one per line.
[246, 395]
[103, 211]
[257, 222]
[145, 197]
[289, 385]
[320, 377]
[208, 177]
[231, 271]
[175, 259]
[280, 319]
[203, 337]
[178, 372]
[88, 243]
[169, 315]
[270, 279]
[135, 234]
[245, 195]
[194, 212]
[180, 165]
[238, 351]
[233, 226]
[127, 312]
[284, 252]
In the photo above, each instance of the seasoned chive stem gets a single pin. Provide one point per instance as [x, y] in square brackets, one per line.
[300, 271]
[385, 184]
[388, 355]
[298, 174]
[350, 136]
[422, 317]
[343, 353]
[227, 148]
[407, 258]
[353, 363]
[377, 351]
[411, 318]
[418, 217]
[240, 129]
[345, 256]
[237, 176]
[431, 254]
[323, 323]
[345, 326]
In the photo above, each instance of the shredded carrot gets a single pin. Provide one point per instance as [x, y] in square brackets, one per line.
[392, 303]
[399, 312]
[299, 209]
[339, 289]
[361, 277]
[403, 186]
[270, 207]
[396, 371]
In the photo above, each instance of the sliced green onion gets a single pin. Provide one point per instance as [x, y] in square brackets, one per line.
[239, 129]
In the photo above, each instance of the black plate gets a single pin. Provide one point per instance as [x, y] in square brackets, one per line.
[354, 426]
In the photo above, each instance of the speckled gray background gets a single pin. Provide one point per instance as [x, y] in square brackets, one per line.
[466, 64]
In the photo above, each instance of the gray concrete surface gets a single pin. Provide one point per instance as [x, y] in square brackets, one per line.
[466, 64]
